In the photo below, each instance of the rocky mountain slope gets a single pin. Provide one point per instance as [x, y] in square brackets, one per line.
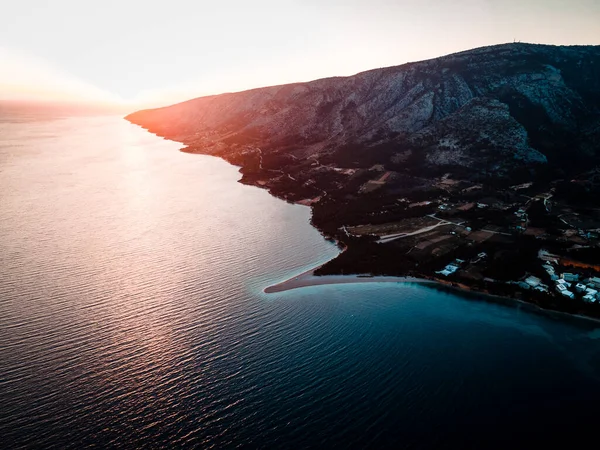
[463, 169]
[492, 111]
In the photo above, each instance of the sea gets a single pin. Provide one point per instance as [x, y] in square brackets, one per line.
[132, 315]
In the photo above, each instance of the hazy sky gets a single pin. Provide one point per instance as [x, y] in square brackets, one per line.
[165, 51]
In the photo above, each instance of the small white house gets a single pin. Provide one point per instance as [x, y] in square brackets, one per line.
[589, 298]
[548, 268]
[452, 268]
[533, 281]
[448, 270]
[580, 287]
[595, 281]
[570, 277]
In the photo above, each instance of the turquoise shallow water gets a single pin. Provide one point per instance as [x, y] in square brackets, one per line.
[132, 315]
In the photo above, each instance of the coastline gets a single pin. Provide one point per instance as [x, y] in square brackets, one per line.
[532, 308]
[308, 278]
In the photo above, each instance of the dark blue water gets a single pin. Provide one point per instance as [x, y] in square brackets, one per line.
[132, 316]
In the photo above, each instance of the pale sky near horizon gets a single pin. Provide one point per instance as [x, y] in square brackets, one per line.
[161, 52]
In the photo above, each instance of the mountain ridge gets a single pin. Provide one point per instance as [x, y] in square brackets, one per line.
[480, 160]
[388, 105]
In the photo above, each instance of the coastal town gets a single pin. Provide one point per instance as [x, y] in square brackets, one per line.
[568, 284]
[537, 241]
[524, 241]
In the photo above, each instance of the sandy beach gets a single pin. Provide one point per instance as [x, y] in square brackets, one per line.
[308, 278]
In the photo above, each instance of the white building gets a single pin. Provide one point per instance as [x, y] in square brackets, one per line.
[595, 281]
[448, 270]
[560, 288]
[570, 277]
[549, 269]
[533, 281]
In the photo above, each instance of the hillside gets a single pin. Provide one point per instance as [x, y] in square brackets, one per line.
[488, 158]
[497, 108]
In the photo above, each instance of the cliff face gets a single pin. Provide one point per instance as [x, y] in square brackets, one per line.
[493, 108]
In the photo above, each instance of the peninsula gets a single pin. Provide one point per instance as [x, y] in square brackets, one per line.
[478, 169]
